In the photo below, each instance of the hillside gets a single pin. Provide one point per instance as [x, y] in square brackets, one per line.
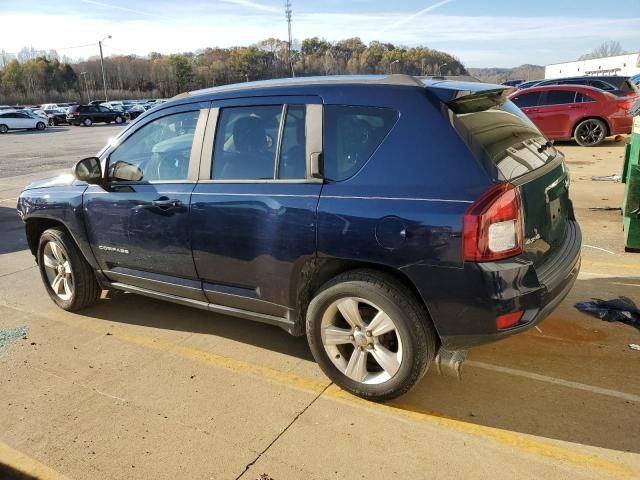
[499, 75]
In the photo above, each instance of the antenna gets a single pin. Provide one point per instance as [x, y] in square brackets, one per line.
[287, 14]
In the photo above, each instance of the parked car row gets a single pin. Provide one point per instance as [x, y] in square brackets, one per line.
[20, 120]
[585, 109]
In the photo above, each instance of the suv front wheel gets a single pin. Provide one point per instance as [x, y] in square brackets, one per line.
[370, 335]
[68, 278]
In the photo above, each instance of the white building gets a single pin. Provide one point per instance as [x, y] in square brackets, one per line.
[619, 65]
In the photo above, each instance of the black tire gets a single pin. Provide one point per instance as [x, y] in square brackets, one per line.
[86, 290]
[590, 132]
[87, 122]
[40, 126]
[119, 120]
[413, 327]
[3, 128]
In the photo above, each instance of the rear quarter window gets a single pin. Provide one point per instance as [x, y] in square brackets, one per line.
[351, 135]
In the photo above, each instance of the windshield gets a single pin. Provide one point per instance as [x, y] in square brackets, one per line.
[505, 137]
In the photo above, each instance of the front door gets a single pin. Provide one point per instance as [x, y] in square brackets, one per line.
[138, 223]
[254, 208]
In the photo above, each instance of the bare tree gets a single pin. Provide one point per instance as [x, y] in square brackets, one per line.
[610, 48]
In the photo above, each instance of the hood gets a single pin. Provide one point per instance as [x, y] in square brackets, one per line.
[63, 180]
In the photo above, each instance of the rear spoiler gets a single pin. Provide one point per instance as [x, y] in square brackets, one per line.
[466, 97]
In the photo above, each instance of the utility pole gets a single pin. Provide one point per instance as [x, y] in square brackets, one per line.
[287, 14]
[86, 86]
[104, 78]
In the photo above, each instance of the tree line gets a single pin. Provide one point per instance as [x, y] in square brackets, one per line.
[37, 77]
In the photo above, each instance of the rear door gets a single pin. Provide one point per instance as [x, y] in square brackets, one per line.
[556, 112]
[254, 209]
[138, 223]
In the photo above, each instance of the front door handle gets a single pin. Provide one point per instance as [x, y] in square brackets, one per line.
[532, 110]
[166, 202]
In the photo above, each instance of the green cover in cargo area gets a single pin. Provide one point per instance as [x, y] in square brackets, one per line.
[631, 200]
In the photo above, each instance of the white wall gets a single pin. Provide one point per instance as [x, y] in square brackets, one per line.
[619, 65]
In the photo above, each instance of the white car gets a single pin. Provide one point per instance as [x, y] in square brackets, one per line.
[15, 120]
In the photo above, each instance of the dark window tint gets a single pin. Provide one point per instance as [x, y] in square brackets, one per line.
[583, 98]
[245, 145]
[351, 135]
[527, 100]
[601, 85]
[160, 150]
[558, 97]
[292, 153]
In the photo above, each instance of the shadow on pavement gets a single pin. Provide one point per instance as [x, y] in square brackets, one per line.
[576, 348]
[117, 307]
[10, 473]
[13, 238]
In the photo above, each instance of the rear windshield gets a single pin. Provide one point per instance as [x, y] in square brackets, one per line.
[505, 138]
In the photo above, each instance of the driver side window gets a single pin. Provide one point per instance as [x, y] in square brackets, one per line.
[159, 151]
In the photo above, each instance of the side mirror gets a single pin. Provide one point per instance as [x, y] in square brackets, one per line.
[88, 170]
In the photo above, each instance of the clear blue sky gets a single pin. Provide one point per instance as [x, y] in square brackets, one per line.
[482, 33]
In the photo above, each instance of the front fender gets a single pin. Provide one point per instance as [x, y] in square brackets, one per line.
[61, 205]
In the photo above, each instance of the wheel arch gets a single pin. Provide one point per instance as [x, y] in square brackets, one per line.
[35, 226]
[315, 272]
[590, 117]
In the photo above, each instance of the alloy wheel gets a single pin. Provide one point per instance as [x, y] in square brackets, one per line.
[591, 132]
[58, 270]
[361, 340]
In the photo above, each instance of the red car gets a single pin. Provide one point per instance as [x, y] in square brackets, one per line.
[586, 114]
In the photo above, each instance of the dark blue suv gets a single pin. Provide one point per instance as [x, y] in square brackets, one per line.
[394, 221]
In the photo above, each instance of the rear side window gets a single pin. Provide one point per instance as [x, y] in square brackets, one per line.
[558, 97]
[527, 100]
[583, 98]
[351, 135]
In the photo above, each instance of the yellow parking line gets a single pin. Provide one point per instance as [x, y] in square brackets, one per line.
[504, 437]
[521, 442]
[25, 464]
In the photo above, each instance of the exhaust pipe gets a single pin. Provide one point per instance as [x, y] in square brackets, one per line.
[449, 363]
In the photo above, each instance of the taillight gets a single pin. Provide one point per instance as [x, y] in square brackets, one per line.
[492, 226]
[508, 320]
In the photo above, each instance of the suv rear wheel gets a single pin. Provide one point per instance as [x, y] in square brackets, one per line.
[370, 335]
[87, 122]
[68, 278]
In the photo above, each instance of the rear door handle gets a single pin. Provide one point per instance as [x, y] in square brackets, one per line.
[165, 202]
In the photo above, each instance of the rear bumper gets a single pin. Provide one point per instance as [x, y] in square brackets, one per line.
[497, 288]
[621, 125]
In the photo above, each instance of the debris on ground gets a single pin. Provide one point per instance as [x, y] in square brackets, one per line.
[9, 335]
[605, 209]
[606, 178]
[634, 346]
[620, 309]
[264, 476]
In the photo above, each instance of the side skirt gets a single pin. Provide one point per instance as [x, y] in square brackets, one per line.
[283, 322]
